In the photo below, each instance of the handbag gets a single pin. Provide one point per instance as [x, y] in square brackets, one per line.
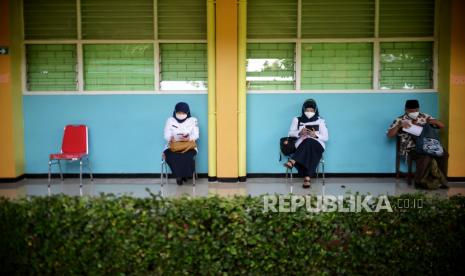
[428, 142]
[287, 145]
[182, 146]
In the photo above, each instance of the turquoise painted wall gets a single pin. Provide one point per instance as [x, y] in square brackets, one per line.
[357, 125]
[126, 131]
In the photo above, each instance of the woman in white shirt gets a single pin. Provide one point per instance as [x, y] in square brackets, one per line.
[181, 127]
[312, 134]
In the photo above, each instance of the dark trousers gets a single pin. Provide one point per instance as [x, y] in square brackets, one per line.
[181, 164]
[307, 157]
[422, 161]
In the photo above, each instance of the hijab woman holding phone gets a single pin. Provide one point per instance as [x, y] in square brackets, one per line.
[312, 134]
[181, 132]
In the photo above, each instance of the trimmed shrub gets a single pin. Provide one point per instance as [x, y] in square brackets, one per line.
[110, 235]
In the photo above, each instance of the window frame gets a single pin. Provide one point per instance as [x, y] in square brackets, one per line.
[376, 41]
[79, 42]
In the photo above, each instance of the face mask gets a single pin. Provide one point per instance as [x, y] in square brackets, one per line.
[309, 114]
[413, 115]
[181, 116]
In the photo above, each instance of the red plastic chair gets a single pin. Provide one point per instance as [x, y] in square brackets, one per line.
[75, 147]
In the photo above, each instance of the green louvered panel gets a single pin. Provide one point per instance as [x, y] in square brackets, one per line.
[338, 18]
[406, 65]
[272, 18]
[112, 67]
[117, 19]
[51, 67]
[182, 19]
[270, 66]
[183, 66]
[406, 18]
[50, 19]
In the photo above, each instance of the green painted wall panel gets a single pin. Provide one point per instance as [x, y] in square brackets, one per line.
[337, 66]
[270, 66]
[51, 67]
[110, 67]
[182, 19]
[183, 66]
[406, 18]
[117, 19]
[338, 18]
[406, 65]
[271, 19]
[50, 19]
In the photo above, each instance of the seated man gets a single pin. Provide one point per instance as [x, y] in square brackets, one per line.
[413, 116]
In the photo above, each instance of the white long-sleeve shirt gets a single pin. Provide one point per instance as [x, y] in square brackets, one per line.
[176, 130]
[322, 133]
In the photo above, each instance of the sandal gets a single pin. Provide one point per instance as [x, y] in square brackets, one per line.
[306, 184]
[289, 164]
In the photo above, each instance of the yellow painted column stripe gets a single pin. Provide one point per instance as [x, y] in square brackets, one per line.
[242, 87]
[211, 88]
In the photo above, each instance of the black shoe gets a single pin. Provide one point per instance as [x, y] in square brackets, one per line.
[179, 181]
[184, 179]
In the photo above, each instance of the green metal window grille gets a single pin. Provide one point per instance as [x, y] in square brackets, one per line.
[270, 66]
[337, 66]
[406, 65]
[109, 67]
[183, 66]
[117, 19]
[50, 19]
[406, 18]
[51, 67]
[338, 18]
[182, 19]
[271, 19]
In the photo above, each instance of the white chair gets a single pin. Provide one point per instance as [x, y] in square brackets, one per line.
[290, 171]
[165, 167]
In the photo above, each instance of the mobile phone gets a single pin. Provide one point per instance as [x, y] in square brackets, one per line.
[312, 127]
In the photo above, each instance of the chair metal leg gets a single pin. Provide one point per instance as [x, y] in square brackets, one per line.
[49, 175]
[80, 177]
[323, 171]
[194, 174]
[161, 174]
[317, 172]
[90, 170]
[61, 172]
[287, 175]
[292, 180]
[409, 170]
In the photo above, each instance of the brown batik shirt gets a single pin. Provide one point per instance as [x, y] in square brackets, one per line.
[407, 140]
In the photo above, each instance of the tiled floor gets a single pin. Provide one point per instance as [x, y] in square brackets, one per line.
[253, 186]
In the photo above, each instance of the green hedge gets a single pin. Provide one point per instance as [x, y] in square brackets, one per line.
[110, 235]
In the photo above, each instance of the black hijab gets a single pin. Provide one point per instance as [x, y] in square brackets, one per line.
[307, 104]
[181, 107]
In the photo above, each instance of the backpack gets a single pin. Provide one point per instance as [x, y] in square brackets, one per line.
[428, 142]
[433, 177]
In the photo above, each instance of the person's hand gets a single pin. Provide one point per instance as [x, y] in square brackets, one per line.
[312, 133]
[185, 138]
[405, 124]
[432, 122]
[304, 131]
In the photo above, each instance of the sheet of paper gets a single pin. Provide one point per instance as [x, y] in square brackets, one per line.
[413, 129]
